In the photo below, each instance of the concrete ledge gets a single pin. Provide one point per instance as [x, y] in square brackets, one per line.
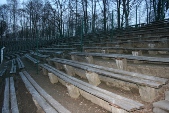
[58, 65]
[73, 91]
[39, 109]
[69, 70]
[117, 110]
[96, 100]
[118, 83]
[121, 64]
[62, 82]
[53, 79]
[167, 95]
[158, 110]
[153, 52]
[45, 71]
[148, 94]
[89, 59]
[80, 73]
[93, 78]
[163, 105]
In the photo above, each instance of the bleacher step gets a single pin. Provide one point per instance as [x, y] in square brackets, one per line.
[161, 106]
[167, 95]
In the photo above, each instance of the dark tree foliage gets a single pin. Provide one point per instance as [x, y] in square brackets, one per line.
[159, 8]
[3, 27]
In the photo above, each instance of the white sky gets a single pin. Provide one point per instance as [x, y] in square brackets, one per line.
[2, 2]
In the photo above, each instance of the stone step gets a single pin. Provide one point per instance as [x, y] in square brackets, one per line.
[167, 95]
[161, 106]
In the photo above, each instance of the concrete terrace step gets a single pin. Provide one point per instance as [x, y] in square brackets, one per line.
[161, 106]
[167, 96]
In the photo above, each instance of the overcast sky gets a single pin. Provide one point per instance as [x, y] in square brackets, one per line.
[2, 2]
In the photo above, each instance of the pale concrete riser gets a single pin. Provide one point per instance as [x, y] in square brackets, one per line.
[167, 95]
[163, 105]
[158, 110]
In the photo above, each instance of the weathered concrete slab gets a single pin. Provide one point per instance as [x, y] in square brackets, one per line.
[153, 52]
[117, 110]
[45, 71]
[149, 70]
[151, 45]
[137, 53]
[121, 64]
[89, 59]
[53, 79]
[163, 52]
[163, 104]
[148, 94]
[58, 65]
[80, 73]
[167, 95]
[158, 110]
[73, 91]
[39, 109]
[49, 62]
[69, 70]
[105, 51]
[62, 82]
[73, 57]
[96, 100]
[93, 78]
[118, 83]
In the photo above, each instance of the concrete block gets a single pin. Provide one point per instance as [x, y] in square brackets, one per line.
[93, 78]
[117, 45]
[167, 95]
[73, 57]
[39, 109]
[151, 45]
[118, 110]
[62, 82]
[145, 70]
[148, 94]
[53, 79]
[69, 70]
[112, 51]
[89, 59]
[163, 52]
[161, 72]
[105, 51]
[49, 62]
[73, 91]
[58, 66]
[163, 104]
[86, 51]
[80, 73]
[132, 68]
[136, 53]
[119, 51]
[105, 63]
[153, 52]
[119, 83]
[121, 64]
[96, 100]
[45, 71]
[158, 110]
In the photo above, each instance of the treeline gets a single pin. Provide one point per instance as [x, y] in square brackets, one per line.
[59, 18]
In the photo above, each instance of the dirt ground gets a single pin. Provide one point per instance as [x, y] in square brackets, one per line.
[60, 93]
